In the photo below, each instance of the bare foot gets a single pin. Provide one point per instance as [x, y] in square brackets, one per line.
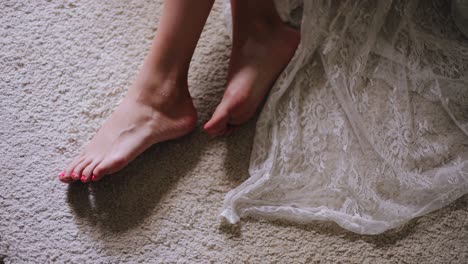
[152, 111]
[255, 64]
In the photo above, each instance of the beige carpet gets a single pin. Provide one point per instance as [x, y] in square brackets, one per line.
[64, 64]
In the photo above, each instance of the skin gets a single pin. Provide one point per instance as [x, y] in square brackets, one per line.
[158, 106]
[258, 32]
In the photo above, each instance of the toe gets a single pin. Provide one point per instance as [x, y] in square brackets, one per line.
[225, 132]
[64, 178]
[110, 165]
[78, 170]
[218, 122]
[69, 180]
[231, 129]
[100, 171]
[71, 166]
[87, 173]
[96, 178]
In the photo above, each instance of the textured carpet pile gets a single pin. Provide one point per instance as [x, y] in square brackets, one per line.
[64, 65]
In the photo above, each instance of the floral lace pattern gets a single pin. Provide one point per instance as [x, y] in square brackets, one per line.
[368, 124]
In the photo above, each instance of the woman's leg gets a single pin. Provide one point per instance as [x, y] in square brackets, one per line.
[262, 47]
[157, 106]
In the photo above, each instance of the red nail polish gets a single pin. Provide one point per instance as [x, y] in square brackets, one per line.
[93, 178]
[83, 178]
[61, 174]
[73, 174]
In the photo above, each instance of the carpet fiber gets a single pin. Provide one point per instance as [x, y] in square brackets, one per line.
[64, 65]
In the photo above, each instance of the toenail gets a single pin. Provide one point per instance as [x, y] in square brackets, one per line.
[83, 178]
[93, 177]
[61, 174]
[73, 174]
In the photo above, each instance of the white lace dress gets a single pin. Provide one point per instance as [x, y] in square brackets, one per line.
[368, 124]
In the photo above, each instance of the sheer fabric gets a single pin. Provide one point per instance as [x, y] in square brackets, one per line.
[368, 124]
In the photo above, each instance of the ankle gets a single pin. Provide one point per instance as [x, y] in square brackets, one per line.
[264, 26]
[258, 31]
[167, 64]
[159, 87]
[157, 69]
